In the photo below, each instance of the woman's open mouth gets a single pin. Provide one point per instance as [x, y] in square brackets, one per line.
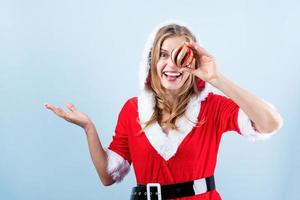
[172, 76]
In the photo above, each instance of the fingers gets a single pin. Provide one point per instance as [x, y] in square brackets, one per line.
[186, 69]
[200, 49]
[49, 106]
[70, 106]
[207, 59]
[192, 65]
[58, 111]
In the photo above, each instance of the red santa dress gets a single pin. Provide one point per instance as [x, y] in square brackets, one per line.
[184, 155]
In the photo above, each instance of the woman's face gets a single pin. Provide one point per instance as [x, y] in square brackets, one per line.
[170, 77]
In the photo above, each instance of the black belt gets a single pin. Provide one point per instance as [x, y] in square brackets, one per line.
[155, 191]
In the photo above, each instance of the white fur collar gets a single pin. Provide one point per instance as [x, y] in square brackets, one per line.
[167, 144]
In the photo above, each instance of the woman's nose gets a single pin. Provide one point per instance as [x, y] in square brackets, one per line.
[170, 62]
[172, 65]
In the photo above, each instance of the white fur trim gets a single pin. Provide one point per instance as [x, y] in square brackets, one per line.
[248, 130]
[117, 166]
[167, 144]
[144, 65]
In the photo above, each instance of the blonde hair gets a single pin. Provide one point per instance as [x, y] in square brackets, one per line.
[186, 92]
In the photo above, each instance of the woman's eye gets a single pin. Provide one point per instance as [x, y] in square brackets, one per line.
[162, 54]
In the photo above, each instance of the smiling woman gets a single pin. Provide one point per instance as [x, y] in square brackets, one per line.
[171, 86]
[171, 131]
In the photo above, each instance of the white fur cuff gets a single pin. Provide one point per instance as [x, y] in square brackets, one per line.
[117, 166]
[248, 130]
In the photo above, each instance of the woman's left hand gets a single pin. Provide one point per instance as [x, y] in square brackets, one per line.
[207, 69]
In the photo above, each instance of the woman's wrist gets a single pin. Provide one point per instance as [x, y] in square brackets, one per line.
[216, 81]
[88, 126]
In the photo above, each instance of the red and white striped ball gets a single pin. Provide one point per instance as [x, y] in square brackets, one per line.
[182, 56]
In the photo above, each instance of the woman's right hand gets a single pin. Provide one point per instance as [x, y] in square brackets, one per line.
[74, 116]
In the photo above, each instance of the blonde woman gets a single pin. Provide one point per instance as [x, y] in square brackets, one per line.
[172, 130]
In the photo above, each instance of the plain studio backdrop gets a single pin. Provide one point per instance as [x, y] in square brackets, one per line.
[88, 52]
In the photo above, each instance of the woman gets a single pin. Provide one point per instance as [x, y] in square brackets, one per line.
[172, 130]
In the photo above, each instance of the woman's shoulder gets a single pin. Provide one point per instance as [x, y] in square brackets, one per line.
[128, 109]
[212, 96]
[131, 103]
[215, 100]
[132, 100]
[219, 102]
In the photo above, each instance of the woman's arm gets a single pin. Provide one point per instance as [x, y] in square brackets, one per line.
[264, 117]
[98, 154]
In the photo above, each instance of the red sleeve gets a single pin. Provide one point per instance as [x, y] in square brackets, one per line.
[119, 142]
[226, 112]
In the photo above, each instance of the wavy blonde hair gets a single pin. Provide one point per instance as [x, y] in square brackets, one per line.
[186, 92]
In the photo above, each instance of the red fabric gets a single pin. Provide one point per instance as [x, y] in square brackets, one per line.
[200, 84]
[195, 157]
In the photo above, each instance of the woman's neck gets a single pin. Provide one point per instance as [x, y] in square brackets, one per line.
[171, 97]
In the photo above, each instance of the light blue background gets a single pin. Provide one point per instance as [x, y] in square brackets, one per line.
[87, 52]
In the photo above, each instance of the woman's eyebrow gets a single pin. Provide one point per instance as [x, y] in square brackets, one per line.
[163, 50]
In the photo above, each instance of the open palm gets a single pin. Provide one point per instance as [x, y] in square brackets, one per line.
[74, 116]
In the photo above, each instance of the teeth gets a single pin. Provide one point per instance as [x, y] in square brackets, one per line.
[172, 74]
